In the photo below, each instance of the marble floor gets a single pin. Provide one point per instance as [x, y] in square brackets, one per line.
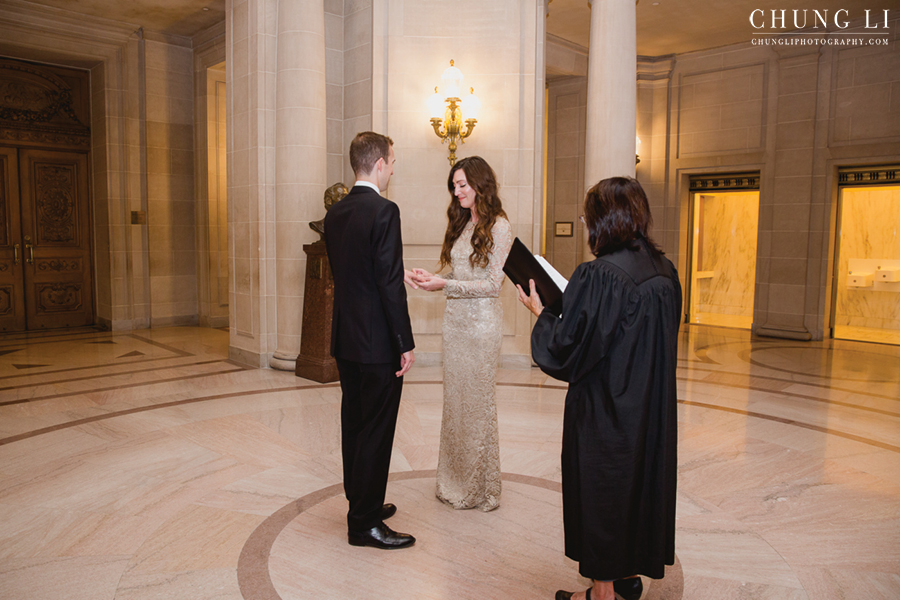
[143, 465]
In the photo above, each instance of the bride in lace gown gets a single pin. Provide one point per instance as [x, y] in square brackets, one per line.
[475, 247]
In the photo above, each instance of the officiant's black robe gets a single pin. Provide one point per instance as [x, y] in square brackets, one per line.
[616, 345]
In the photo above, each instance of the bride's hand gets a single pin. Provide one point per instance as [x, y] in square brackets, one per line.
[431, 283]
[421, 274]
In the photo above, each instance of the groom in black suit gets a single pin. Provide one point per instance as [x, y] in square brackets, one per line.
[371, 336]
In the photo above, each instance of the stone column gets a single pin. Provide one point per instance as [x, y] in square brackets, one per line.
[250, 66]
[612, 92]
[300, 164]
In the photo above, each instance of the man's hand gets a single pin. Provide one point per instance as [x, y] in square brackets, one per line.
[409, 278]
[406, 361]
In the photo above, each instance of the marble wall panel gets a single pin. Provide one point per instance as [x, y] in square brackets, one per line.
[870, 218]
[725, 255]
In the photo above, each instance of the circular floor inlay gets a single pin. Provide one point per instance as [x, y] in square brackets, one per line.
[515, 551]
[847, 365]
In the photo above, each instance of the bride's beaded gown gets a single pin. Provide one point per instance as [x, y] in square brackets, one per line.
[468, 473]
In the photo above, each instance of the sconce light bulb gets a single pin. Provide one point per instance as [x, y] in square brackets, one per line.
[451, 81]
[471, 105]
[435, 105]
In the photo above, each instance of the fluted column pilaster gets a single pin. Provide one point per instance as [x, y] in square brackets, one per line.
[301, 161]
[612, 92]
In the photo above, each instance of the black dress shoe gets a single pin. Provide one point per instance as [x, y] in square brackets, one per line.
[381, 536]
[564, 595]
[630, 588]
[388, 511]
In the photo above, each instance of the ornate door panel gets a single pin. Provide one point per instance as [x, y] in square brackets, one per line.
[12, 295]
[56, 238]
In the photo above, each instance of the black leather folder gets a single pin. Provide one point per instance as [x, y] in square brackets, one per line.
[521, 265]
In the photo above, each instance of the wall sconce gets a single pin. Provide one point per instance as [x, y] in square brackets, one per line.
[637, 150]
[447, 111]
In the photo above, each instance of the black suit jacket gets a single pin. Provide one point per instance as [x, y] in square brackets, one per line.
[371, 320]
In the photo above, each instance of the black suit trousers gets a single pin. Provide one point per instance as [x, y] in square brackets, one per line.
[369, 407]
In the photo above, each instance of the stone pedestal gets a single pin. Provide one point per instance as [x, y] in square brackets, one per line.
[315, 361]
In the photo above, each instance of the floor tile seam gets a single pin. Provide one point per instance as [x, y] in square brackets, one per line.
[746, 356]
[95, 418]
[795, 382]
[830, 377]
[117, 373]
[120, 387]
[791, 395]
[791, 422]
[160, 345]
[56, 337]
[827, 345]
[163, 405]
[103, 366]
[738, 386]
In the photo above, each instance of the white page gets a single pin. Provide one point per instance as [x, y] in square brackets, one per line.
[558, 279]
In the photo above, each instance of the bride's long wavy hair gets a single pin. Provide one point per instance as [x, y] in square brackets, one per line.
[480, 177]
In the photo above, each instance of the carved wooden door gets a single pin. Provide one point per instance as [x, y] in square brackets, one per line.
[55, 238]
[12, 293]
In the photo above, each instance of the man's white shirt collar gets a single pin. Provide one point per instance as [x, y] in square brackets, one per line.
[368, 184]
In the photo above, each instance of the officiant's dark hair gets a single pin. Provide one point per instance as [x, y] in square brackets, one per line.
[617, 215]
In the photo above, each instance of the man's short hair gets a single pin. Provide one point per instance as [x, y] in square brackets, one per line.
[365, 150]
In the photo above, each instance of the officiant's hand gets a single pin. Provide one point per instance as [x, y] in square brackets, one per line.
[533, 301]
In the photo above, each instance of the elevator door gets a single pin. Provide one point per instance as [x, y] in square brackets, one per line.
[723, 257]
[45, 266]
[866, 303]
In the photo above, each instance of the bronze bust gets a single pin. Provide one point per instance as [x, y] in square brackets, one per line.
[333, 195]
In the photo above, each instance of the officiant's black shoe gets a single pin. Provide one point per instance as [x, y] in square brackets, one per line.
[381, 536]
[630, 588]
[564, 595]
[388, 511]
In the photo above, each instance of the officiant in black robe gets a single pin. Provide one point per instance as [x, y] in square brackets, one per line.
[616, 345]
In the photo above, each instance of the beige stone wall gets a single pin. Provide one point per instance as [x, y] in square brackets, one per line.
[212, 197]
[654, 91]
[413, 43]
[356, 99]
[334, 90]
[567, 99]
[211, 176]
[169, 73]
[794, 114]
